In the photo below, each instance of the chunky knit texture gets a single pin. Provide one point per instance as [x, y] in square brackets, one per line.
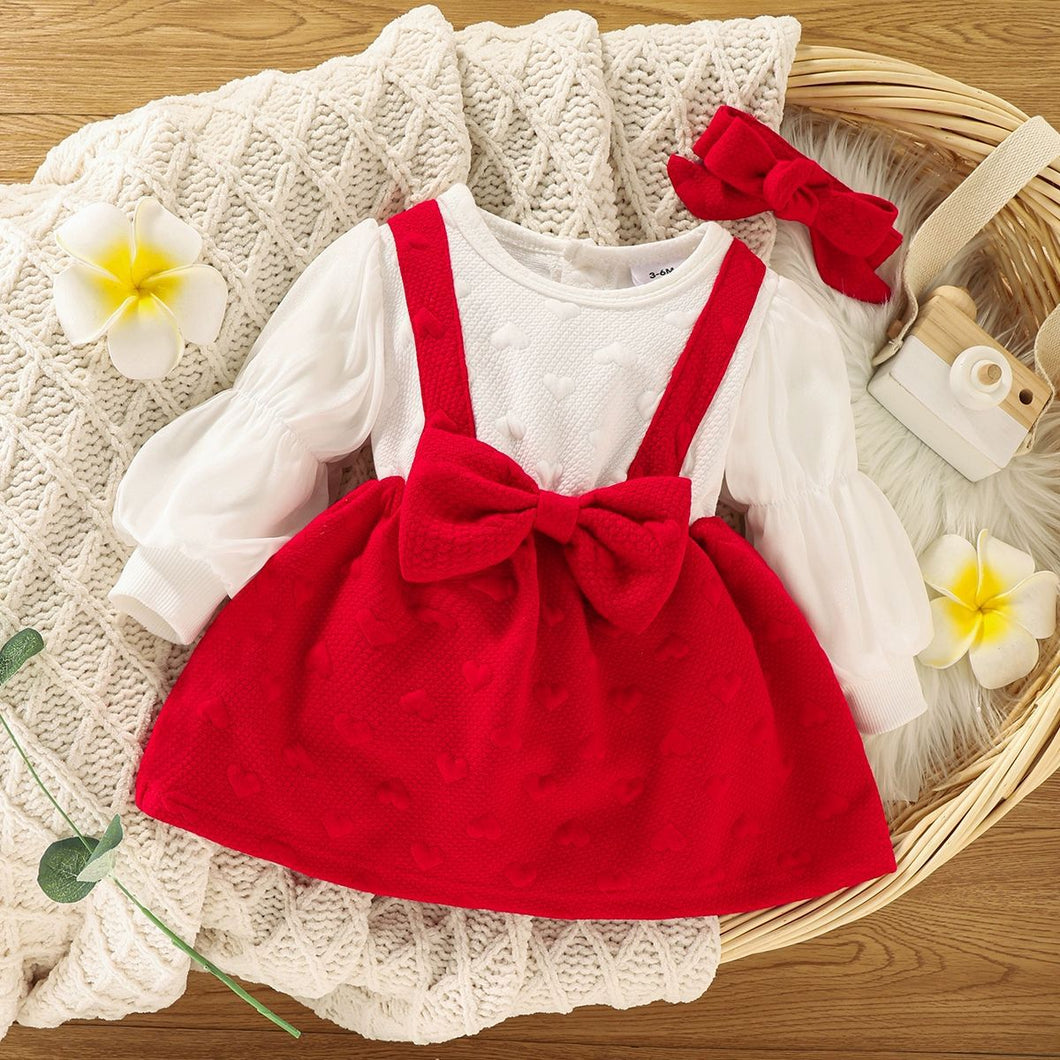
[270, 169]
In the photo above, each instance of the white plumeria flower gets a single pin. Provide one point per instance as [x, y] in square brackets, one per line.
[993, 606]
[136, 282]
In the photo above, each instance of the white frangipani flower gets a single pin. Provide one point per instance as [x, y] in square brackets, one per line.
[993, 606]
[137, 283]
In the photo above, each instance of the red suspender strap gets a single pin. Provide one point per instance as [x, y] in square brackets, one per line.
[427, 276]
[700, 368]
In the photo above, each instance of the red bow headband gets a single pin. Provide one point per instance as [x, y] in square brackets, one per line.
[747, 168]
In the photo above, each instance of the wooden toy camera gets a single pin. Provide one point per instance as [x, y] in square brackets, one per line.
[958, 389]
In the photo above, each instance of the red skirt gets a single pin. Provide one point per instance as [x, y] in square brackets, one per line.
[489, 741]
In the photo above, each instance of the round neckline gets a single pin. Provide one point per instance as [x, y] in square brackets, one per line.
[480, 228]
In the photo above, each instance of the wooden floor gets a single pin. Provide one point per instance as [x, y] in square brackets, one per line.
[967, 965]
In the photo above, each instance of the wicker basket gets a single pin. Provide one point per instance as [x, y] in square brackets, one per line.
[962, 124]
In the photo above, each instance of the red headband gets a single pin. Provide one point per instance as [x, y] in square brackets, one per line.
[747, 168]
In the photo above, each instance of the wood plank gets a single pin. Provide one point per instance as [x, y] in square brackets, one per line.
[26, 138]
[57, 57]
[198, 1044]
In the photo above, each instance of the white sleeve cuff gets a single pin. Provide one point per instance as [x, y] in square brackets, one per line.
[887, 700]
[169, 593]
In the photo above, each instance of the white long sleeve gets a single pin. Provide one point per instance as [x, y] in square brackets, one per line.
[210, 497]
[823, 526]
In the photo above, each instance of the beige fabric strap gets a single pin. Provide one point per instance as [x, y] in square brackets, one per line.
[1047, 349]
[1008, 168]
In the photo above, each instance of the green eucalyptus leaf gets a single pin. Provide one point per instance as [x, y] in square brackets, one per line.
[109, 839]
[101, 862]
[22, 646]
[59, 866]
[96, 868]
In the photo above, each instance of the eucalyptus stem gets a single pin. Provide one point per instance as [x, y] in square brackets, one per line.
[40, 783]
[26, 643]
[207, 964]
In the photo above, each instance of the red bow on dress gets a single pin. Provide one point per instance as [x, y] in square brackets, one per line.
[747, 168]
[467, 506]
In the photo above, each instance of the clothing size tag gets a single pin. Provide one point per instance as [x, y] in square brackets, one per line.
[651, 270]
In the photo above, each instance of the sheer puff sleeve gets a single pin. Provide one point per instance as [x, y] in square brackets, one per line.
[822, 525]
[210, 497]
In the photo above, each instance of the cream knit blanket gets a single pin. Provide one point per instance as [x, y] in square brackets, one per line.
[555, 125]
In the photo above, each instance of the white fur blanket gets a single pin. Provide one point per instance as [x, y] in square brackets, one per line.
[555, 125]
[1021, 504]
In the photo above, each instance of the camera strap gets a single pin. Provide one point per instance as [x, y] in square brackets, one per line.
[1002, 174]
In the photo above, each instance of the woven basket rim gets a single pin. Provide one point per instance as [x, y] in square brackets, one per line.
[937, 112]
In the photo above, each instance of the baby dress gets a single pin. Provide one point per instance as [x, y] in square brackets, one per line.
[528, 668]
